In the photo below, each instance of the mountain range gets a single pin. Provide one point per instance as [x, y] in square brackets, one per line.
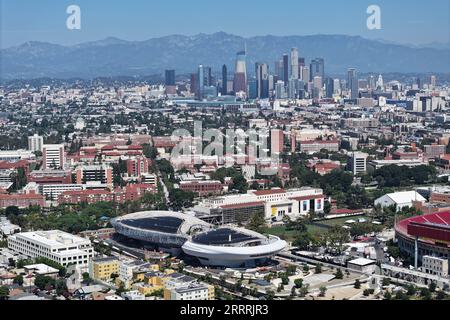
[116, 57]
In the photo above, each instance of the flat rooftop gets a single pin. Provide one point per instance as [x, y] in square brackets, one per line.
[223, 236]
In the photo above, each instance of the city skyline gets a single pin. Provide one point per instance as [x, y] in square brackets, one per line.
[411, 23]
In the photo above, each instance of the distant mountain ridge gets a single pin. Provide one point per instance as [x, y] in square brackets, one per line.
[116, 57]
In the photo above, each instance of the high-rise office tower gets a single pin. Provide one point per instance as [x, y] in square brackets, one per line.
[380, 82]
[352, 83]
[279, 69]
[301, 62]
[194, 83]
[292, 88]
[305, 74]
[224, 80]
[294, 64]
[208, 81]
[252, 88]
[317, 68]
[317, 87]
[286, 69]
[170, 78]
[372, 83]
[201, 81]
[433, 81]
[329, 87]
[240, 75]
[280, 90]
[301, 65]
[262, 80]
[170, 82]
[337, 86]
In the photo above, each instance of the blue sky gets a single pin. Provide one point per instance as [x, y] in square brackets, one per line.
[403, 21]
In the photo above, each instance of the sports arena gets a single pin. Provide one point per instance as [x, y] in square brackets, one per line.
[430, 232]
[224, 247]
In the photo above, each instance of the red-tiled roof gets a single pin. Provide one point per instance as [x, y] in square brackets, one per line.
[268, 192]
[312, 197]
[441, 218]
[242, 205]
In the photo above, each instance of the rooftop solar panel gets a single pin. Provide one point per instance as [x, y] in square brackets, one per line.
[161, 224]
[222, 237]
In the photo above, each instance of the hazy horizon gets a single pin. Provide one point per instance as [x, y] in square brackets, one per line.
[403, 22]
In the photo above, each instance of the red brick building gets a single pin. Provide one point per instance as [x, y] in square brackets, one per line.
[203, 188]
[21, 200]
[46, 177]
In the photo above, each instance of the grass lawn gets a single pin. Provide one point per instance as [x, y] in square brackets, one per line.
[280, 231]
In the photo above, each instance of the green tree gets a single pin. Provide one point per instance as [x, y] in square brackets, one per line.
[304, 290]
[318, 268]
[298, 283]
[18, 280]
[323, 291]
[4, 293]
[357, 284]
[339, 275]
[44, 282]
[432, 287]
[257, 222]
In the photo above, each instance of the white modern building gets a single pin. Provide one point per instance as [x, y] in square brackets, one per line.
[16, 155]
[35, 143]
[400, 200]
[276, 203]
[54, 157]
[358, 163]
[55, 245]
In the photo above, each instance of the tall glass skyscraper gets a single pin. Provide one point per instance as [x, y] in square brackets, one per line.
[294, 64]
[317, 68]
[170, 78]
[352, 83]
[224, 80]
[201, 81]
[286, 69]
[329, 87]
[240, 75]
[262, 80]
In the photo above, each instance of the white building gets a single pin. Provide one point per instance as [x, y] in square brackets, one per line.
[358, 163]
[7, 228]
[35, 143]
[362, 265]
[133, 295]
[16, 155]
[277, 202]
[55, 245]
[435, 266]
[194, 292]
[54, 157]
[400, 200]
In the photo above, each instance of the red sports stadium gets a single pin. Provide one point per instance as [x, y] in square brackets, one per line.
[432, 232]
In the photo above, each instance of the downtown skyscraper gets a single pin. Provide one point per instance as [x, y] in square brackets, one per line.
[352, 83]
[317, 69]
[224, 80]
[240, 75]
[294, 64]
[286, 69]
[262, 80]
